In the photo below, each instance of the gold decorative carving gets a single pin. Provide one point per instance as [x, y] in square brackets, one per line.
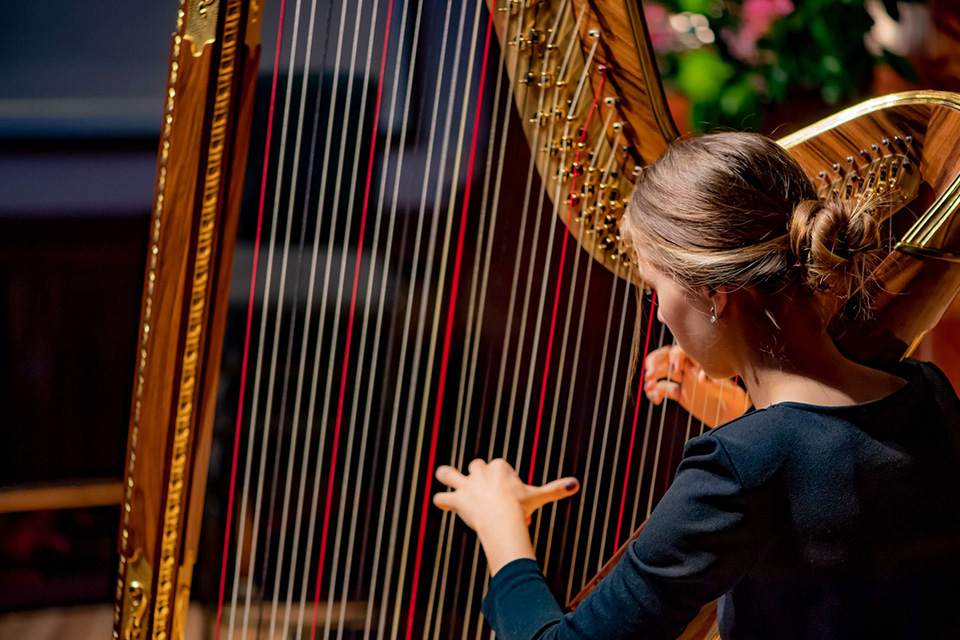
[137, 597]
[182, 602]
[173, 509]
[124, 571]
[201, 24]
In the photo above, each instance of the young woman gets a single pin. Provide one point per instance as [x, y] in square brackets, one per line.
[832, 510]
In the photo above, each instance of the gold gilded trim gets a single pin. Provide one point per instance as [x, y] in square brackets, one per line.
[935, 98]
[922, 236]
[650, 72]
[122, 604]
[923, 252]
[201, 24]
[137, 597]
[173, 511]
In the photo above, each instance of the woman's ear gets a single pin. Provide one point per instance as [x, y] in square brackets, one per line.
[718, 298]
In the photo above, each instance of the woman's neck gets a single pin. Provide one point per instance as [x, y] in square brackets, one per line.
[804, 365]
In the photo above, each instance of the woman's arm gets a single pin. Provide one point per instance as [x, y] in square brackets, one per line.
[698, 544]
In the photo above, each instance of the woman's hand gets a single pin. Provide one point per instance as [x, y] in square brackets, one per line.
[493, 501]
[671, 373]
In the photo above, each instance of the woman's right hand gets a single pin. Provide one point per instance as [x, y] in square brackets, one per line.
[671, 373]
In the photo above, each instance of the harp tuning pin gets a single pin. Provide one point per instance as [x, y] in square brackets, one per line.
[594, 33]
[908, 139]
[607, 243]
[617, 126]
[836, 166]
[874, 147]
[609, 101]
[822, 175]
[849, 159]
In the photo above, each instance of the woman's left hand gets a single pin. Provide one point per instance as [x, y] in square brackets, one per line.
[493, 501]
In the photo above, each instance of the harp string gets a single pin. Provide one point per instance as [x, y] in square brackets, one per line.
[374, 368]
[636, 415]
[591, 438]
[376, 563]
[298, 514]
[471, 342]
[594, 157]
[556, 297]
[346, 356]
[247, 333]
[556, 394]
[532, 264]
[547, 264]
[658, 449]
[284, 394]
[413, 386]
[591, 528]
[515, 279]
[497, 190]
[277, 324]
[474, 325]
[455, 281]
[418, 345]
[647, 431]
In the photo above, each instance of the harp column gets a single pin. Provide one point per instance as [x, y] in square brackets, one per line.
[208, 106]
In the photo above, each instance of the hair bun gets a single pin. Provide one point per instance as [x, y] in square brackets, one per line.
[836, 243]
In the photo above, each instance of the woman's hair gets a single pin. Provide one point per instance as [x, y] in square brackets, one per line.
[736, 210]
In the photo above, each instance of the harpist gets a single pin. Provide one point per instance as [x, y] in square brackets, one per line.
[831, 510]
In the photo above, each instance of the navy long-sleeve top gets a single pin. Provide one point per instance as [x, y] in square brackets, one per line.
[805, 521]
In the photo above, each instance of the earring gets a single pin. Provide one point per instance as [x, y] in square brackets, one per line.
[713, 315]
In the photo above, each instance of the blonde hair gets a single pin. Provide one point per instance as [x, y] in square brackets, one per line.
[736, 210]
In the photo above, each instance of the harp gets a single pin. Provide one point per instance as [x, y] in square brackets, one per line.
[436, 314]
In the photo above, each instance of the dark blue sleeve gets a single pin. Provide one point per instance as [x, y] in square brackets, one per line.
[697, 544]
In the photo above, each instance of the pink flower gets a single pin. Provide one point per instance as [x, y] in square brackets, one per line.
[757, 16]
[658, 24]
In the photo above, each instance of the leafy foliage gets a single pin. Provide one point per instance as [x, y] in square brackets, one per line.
[734, 58]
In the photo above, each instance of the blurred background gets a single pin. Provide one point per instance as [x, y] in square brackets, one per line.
[80, 107]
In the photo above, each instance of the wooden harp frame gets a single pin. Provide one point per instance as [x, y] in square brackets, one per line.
[203, 147]
[207, 118]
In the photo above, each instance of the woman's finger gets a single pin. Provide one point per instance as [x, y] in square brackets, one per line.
[551, 492]
[449, 476]
[657, 370]
[476, 466]
[662, 389]
[657, 358]
[446, 500]
[678, 360]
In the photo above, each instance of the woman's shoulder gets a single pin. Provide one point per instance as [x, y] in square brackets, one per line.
[756, 444]
[762, 441]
